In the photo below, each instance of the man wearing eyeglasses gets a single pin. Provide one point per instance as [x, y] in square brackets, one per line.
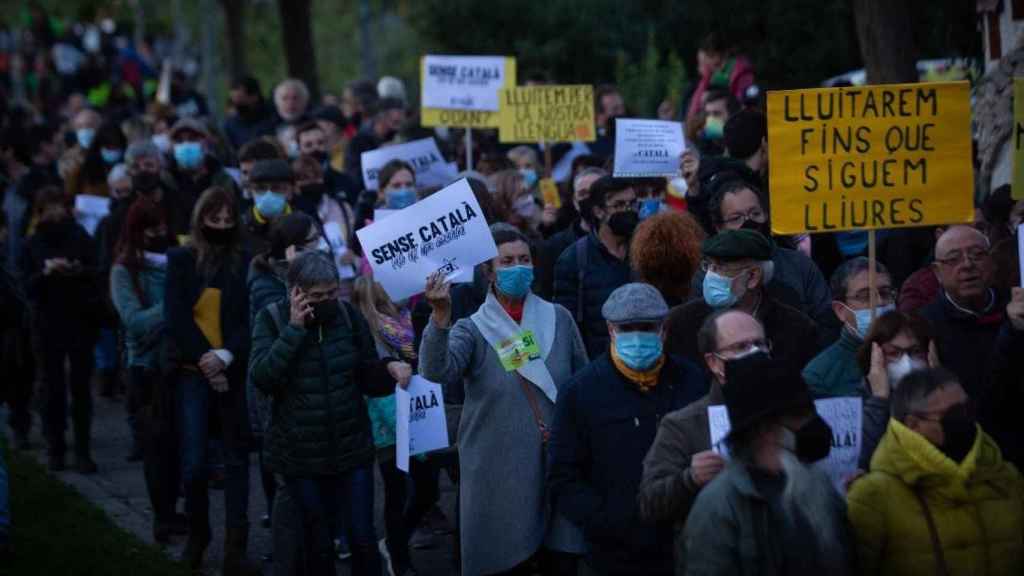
[588, 271]
[939, 497]
[980, 333]
[736, 204]
[835, 372]
[738, 266]
[681, 462]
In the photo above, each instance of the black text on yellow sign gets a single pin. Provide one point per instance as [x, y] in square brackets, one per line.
[870, 157]
[547, 114]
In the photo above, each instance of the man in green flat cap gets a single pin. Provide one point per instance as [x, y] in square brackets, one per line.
[738, 266]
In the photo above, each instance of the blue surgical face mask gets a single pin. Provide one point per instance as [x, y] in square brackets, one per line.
[111, 155]
[85, 136]
[864, 317]
[718, 290]
[514, 281]
[529, 177]
[638, 350]
[271, 204]
[400, 198]
[188, 155]
[649, 207]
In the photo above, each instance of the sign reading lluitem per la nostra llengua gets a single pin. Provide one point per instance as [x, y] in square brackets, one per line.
[870, 157]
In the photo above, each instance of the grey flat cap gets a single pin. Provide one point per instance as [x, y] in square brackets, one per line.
[635, 302]
[273, 170]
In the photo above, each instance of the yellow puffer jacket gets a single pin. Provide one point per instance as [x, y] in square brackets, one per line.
[978, 507]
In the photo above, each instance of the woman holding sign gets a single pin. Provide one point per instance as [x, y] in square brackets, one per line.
[512, 357]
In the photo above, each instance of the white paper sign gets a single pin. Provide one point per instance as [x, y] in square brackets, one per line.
[647, 148]
[431, 167]
[90, 210]
[463, 82]
[420, 421]
[332, 230]
[844, 416]
[382, 213]
[445, 232]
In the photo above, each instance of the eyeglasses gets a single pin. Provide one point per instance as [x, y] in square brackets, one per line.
[893, 352]
[623, 205]
[729, 272]
[956, 257]
[741, 347]
[885, 296]
[757, 215]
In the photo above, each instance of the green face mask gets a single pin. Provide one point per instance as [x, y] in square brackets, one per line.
[714, 129]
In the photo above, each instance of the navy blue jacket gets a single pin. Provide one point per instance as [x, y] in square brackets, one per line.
[602, 273]
[603, 428]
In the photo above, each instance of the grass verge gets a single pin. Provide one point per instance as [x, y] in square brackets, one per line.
[57, 532]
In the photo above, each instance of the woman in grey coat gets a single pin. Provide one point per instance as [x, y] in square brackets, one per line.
[512, 357]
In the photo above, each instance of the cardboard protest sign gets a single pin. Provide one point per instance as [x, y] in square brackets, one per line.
[547, 114]
[420, 422]
[423, 155]
[870, 157]
[844, 416]
[647, 148]
[453, 74]
[89, 210]
[1017, 185]
[445, 232]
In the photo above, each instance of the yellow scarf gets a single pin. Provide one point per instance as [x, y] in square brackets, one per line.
[646, 380]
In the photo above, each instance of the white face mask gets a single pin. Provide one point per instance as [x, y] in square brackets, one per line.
[900, 368]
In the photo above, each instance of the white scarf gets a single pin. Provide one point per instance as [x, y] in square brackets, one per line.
[538, 317]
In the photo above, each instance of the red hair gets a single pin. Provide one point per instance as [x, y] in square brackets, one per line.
[142, 214]
[665, 252]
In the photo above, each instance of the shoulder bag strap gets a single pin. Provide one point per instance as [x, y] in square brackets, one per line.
[545, 434]
[942, 569]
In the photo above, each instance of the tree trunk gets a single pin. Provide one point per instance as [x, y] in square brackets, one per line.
[234, 27]
[885, 33]
[297, 37]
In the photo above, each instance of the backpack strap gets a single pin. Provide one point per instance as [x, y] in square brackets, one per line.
[941, 568]
[277, 316]
[582, 260]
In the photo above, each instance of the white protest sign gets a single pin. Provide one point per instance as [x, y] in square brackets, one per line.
[420, 421]
[89, 210]
[463, 82]
[382, 213]
[647, 148]
[423, 155]
[843, 415]
[332, 230]
[445, 232]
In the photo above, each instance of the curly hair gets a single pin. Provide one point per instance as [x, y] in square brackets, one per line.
[665, 252]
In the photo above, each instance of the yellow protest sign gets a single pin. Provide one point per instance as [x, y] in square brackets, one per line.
[464, 118]
[870, 157]
[547, 114]
[549, 192]
[1017, 186]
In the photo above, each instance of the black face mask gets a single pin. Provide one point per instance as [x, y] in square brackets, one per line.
[623, 224]
[813, 440]
[313, 191]
[763, 227]
[959, 430]
[320, 156]
[219, 236]
[158, 245]
[326, 311]
[146, 182]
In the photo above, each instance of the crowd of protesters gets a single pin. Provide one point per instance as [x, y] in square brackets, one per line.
[226, 296]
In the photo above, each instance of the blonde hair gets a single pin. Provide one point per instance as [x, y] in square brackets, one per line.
[371, 299]
[524, 153]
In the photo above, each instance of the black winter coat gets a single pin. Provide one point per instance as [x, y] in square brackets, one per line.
[317, 377]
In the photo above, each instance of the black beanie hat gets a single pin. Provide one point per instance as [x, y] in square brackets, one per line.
[744, 132]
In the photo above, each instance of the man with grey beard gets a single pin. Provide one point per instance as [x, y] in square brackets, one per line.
[769, 511]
